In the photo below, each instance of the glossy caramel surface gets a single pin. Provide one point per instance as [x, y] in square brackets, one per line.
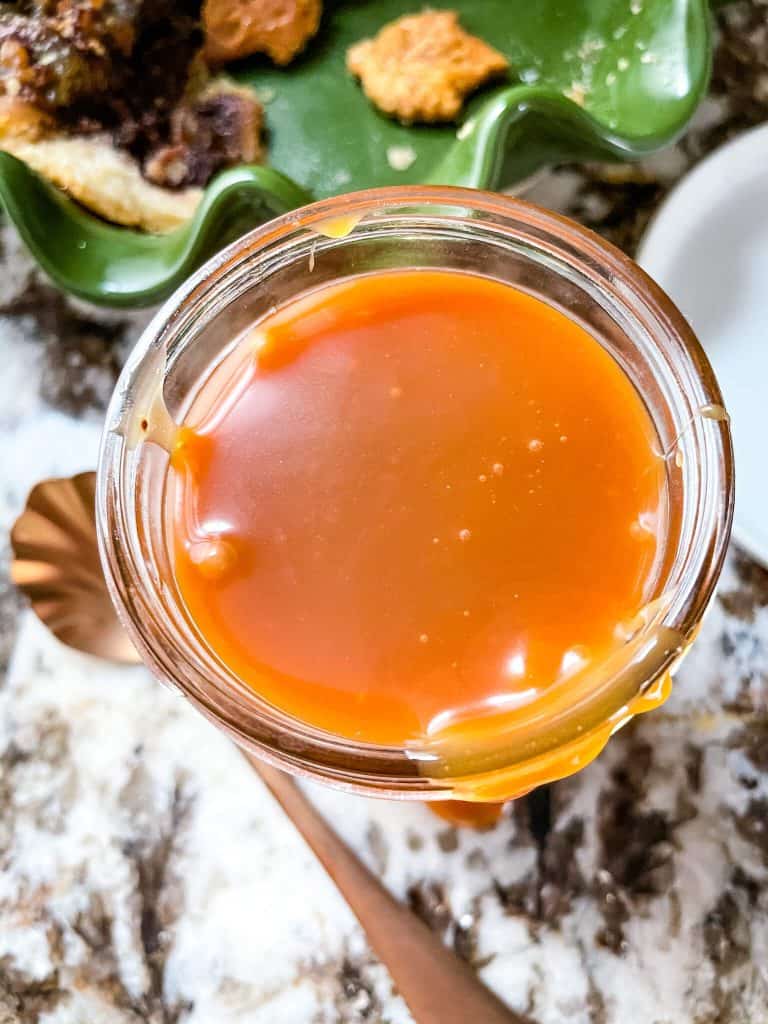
[413, 498]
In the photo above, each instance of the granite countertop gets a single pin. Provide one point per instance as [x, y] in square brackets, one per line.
[146, 875]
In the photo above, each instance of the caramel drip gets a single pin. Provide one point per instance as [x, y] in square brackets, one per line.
[148, 418]
[338, 227]
[714, 412]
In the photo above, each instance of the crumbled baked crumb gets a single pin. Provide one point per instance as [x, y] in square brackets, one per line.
[577, 93]
[278, 28]
[423, 66]
[400, 158]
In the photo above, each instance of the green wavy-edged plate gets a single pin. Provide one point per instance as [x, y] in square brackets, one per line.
[637, 67]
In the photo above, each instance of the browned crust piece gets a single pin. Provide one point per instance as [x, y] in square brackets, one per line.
[217, 128]
[423, 66]
[278, 28]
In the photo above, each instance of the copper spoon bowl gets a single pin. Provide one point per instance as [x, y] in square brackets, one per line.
[56, 564]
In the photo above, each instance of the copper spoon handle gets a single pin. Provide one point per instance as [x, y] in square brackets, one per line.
[438, 987]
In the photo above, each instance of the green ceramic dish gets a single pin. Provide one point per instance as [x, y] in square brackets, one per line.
[604, 79]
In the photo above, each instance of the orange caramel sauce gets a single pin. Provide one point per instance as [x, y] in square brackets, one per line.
[409, 500]
[469, 815]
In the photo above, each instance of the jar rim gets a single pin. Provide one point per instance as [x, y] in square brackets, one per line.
[274, 735]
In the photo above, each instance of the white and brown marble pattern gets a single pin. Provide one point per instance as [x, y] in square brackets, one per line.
[146, 876]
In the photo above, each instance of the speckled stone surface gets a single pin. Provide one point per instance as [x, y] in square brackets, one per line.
[146, 876]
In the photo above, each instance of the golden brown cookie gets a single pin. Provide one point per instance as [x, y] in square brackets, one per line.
[279, 28]
[422, 66]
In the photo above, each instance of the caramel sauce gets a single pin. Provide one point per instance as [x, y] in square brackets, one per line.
[411, 502]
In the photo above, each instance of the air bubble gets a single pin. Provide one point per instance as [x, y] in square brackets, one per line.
[213, 558]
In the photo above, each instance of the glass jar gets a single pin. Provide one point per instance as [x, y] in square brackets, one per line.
[541, 253]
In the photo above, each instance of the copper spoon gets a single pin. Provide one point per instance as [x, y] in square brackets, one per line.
[56, 564]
